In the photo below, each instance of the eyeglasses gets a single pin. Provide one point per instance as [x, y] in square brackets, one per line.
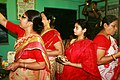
[23, 16]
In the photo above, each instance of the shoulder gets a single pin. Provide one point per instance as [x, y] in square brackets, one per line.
[51, 31]
[101, 40]
[72, 41]
[54, 30]
[99, 37]
[88, 41]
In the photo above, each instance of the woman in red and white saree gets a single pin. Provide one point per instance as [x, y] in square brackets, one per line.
[107, 49]
[109, 71]
[31, 61]
[81, 55]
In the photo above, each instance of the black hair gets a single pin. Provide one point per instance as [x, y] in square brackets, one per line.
[52, 21]
[50, 17]
[84, 24]
[107, 19]
[35, 17]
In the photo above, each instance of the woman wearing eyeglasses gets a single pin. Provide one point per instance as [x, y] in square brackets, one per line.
[31, 61]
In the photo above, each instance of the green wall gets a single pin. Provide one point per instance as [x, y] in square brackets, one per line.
[39, 5]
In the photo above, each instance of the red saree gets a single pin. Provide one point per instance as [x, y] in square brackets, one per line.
[82, 52]
[29, 43]
[28, 49]
[50, 37]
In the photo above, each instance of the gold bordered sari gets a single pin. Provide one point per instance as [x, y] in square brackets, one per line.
[31, 42]
[50, 37]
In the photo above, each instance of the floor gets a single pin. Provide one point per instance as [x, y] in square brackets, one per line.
[6, 78]
[4, 74]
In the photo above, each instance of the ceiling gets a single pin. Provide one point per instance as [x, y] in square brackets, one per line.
[86, 0]
[109, 1]
[83, 1]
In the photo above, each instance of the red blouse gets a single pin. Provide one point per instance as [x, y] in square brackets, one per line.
[33, 54]
[16, 29]
[102, 42]
[50, 38]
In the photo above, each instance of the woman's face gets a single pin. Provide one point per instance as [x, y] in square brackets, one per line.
[111, 28]
[44, 19]
[24, 21]
[78, 31]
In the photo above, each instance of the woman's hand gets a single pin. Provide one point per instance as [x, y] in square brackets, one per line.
[117, 55]
[13, 66]
[66, 63]
[62, 58]
[48, 50]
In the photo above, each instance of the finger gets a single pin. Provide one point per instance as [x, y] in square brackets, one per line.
[8, 68]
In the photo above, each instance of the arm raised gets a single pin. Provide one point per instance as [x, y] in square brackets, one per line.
[3, 20]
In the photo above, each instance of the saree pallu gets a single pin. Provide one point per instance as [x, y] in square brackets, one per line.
[31, 42]
[50, 37]
[111, 71]
[53, 67]
[82, 52]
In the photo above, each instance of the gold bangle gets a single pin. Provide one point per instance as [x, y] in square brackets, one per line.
[113, 56]
[24, 65]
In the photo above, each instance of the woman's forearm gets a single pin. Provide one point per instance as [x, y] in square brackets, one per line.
[54, 53]
[108, 59]
[3, 20]
[78, 65]
[105, 60]
[33, 65]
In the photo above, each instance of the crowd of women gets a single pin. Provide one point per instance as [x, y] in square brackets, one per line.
[38, 45]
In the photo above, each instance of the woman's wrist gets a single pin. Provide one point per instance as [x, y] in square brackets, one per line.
[21, 64]
[117, 55]
[25, 65]
[114, 57]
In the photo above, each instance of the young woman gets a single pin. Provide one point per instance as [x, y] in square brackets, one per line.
[31, 61]
[81, 55]
[107, 49]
